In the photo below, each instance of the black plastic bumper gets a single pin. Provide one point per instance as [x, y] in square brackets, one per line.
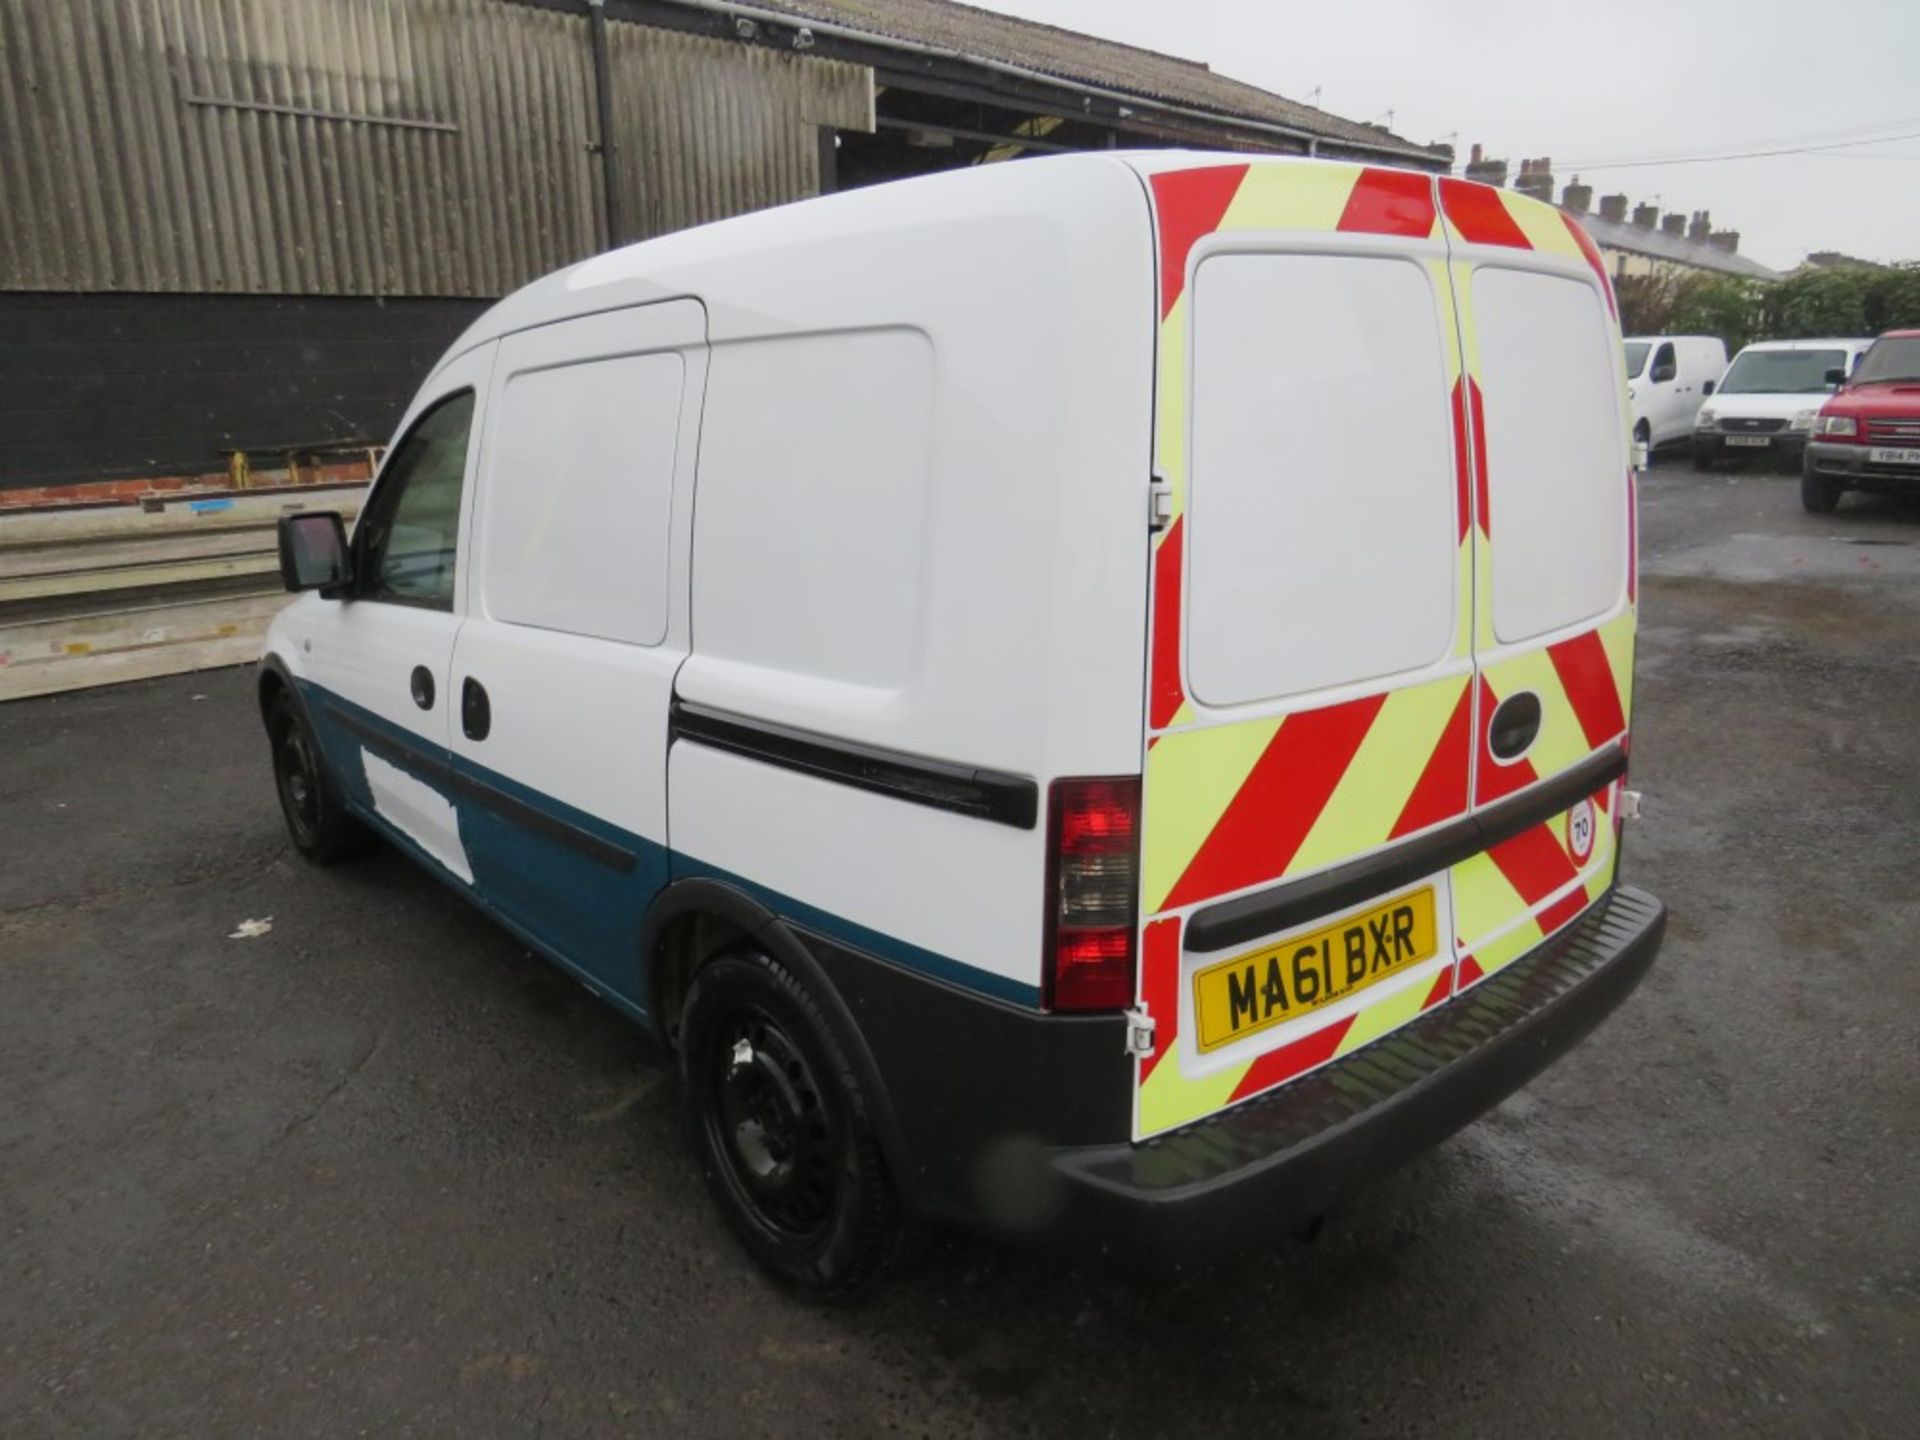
[1270, 1166]
[1849, 465]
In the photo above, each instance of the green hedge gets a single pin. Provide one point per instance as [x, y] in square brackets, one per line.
[1844, 300]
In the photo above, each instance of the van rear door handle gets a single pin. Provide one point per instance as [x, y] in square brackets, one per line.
[1516, 721]
[476, 711]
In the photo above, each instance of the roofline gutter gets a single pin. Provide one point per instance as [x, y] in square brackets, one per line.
[788, 20]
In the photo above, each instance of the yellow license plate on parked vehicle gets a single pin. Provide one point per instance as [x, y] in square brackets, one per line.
[1282, 982]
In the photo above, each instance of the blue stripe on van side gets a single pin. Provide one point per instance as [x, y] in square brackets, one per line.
[531, 874]
[859, 937]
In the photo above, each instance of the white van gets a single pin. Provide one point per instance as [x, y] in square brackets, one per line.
[1086, 698]
[1667, 378]
[1767, 401]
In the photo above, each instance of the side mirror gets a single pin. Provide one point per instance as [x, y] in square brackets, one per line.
[1707, 387]
[313, 551]
[1836, 376]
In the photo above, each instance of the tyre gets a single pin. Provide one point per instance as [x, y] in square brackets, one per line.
[1819, 496]
[781, 1128]
[317, 820]
[1702, 457]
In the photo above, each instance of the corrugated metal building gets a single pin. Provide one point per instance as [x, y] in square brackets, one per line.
[254, 223]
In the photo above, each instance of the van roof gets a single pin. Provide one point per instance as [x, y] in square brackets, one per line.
[1822, 344]
[733, 262]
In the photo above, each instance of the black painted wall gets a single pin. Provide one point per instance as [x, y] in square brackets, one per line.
[99, 387]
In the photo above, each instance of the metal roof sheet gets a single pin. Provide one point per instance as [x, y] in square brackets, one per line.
[1656, 244]
[1074, 58]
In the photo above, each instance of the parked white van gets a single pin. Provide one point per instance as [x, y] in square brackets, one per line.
[1668, 376]
[1086, 698]
[1766, 403]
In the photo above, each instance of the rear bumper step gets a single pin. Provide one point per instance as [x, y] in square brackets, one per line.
[1275, 1163]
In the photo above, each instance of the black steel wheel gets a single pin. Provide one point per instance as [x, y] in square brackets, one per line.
[781, 1128]
[317, 822]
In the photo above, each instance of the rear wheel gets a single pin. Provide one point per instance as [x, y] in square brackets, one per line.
[1818, 495]
[782, 1130]
[317, 821]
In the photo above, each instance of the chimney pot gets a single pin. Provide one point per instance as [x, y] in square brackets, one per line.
[1486, 170]
[1614, 208]
[1577, 197]
[1673, 223]
[1700, 228]
[1646, 216]
[1536, 178]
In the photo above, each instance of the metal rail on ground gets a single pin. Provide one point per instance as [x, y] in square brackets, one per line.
[95, 595]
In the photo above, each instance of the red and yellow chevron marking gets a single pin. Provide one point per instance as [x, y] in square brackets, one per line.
[1509, 899]
[1233, 805]
[1505, 901]
[1242, 803]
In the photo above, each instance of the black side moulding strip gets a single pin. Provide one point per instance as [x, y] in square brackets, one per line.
[967, 790]
[423, 761]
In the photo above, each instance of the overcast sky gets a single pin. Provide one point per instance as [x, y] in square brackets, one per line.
[1622, 80]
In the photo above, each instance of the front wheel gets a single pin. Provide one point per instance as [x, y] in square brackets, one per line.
[317, 821]
[782, 1130]
[1819, 496]
[1702, 456]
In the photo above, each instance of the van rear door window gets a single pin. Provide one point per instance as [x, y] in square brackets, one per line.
[1323, 531]
[1555, 451]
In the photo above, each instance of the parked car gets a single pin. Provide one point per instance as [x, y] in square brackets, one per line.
[1667, 378]
[940, 658]
[1867, 437]
[1766, 402]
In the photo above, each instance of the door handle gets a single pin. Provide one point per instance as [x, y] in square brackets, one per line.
[476, 711]
[1516, 721]
[420, 684]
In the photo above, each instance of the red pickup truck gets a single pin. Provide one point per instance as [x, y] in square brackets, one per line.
[1867, 436]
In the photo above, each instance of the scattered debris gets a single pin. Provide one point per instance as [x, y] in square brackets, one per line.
[251, 929]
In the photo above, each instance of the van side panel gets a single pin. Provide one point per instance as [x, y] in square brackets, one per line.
[919, 539]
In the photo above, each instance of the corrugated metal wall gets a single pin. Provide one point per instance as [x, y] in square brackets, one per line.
[372, 147]
[707, 129]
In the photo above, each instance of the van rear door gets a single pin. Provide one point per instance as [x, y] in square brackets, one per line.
[1311, 676]
[1554, 592]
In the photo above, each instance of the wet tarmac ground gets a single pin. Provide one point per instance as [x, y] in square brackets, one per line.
[376, 1170]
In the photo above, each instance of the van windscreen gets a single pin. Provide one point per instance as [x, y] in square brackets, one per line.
[1782, 372]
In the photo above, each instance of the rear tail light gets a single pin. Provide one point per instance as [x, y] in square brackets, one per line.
[1093, 888]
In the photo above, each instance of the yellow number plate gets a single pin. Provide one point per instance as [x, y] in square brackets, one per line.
[1237, 998]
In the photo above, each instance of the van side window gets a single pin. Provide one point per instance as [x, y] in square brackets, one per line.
[1664, 366]
[1323, 539]
[1555, 451]
[577, 503]
[409, 536]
